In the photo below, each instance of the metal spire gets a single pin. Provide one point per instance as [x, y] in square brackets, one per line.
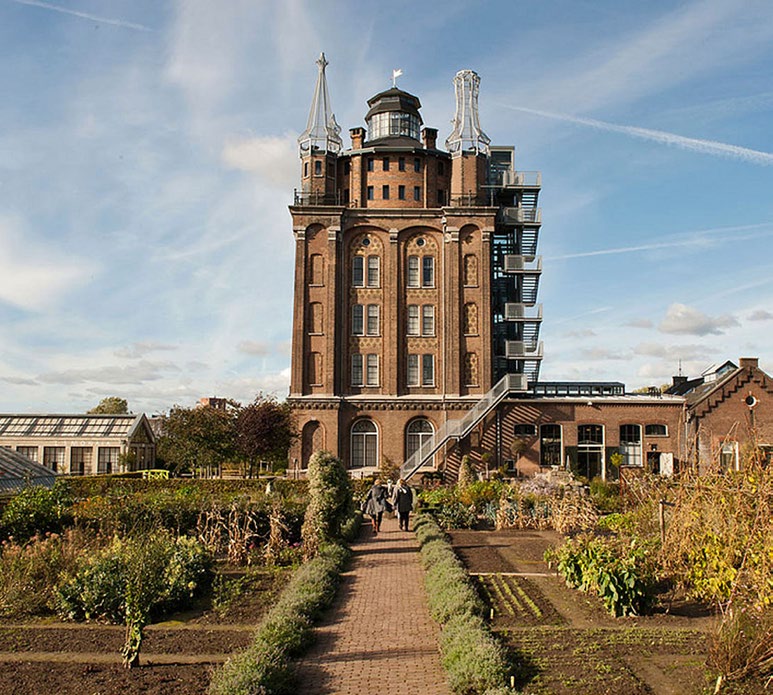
[322, 132]
[467, 134]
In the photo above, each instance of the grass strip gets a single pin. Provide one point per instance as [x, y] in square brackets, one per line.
[473, 659]
[286, 631]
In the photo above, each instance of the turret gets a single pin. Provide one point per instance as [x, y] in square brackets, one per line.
[319, 146]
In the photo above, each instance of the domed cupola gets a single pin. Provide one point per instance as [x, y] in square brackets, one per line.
[394, 114]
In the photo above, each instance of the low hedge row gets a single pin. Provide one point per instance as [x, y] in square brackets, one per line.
[286, 631]
[474, 661]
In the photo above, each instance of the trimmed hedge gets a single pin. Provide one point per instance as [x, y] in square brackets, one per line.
[264, 667]
[474, 661]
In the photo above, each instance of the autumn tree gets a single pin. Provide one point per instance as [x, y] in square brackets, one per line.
[200, 438]
[264, 431]
[112, 405]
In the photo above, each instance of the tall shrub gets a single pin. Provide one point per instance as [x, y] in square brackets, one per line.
[330, 501]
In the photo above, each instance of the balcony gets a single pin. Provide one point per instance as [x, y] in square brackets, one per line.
[515, 263]
[519, 312]
[521, 350]
[312, 199]
[522, 179]
[511, 216]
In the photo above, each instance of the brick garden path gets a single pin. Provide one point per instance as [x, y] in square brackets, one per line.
[378, 636]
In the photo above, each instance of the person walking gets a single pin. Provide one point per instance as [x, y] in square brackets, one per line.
[375, 504]
[402, 501]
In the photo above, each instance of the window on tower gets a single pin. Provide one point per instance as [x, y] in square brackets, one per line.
[427, 370]
[369, 163]
[401, 163]
[358, 271]
[357, 370]
[317, 168]
[413, 271]
[417, 165]
[373, 319]
[370, 193]
[385, 163]
[428, 271]
[401, 192]
[374, 266]
[417, 192]
[413, 319]
[428, 319]
[358, 324]
[385, 192]
[372, 370]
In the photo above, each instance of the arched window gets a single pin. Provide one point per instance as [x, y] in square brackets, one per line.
[312, 439]
[416, 434]
[470, 270]
[364, 444]
[470, 319]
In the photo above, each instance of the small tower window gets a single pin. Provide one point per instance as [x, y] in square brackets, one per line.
[385, 192]
[370, 163]
[401, 163]
[417, 164]
[385, 164]
[305, 169]
[401, 192]
[417, 192]
[317, 168]
[370, 192]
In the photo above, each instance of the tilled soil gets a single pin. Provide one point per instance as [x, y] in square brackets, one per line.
[563, 642]
[178, 655]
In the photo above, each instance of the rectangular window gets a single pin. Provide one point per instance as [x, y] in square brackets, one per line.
[428, 320]
[401, 192]
[413, 370]
[347, 166]
[373, 319]
[80, 460]
[417, 192]
[107, 459]
[428, 271]
[356, 369]
[385, 192]
[401, 163]
[373, 271]
[53, 458]
[417, 164]
[370, 192]
[413, 271]
[31, 452]
[413, 319]
[358, 271]
[656, 430]
[441, 197]
[427, 370]
[385, 164]
[357, 320]
[317, 168]
[369, 163]
[372, 362]
[305, 168]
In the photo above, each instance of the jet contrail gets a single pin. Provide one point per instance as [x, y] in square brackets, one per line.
[83, 15]
[705, 146]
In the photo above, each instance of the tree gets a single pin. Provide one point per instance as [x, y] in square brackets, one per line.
[264, 431]
[112, 405]
[201, 438]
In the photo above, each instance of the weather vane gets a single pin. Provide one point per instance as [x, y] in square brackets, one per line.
[395, 75]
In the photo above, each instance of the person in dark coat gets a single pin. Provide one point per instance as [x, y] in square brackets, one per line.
[375, 504]
[402, 500]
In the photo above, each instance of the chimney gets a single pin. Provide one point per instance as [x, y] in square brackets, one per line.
[749, 362]
[677, 380]
[430, 138]
[358, 137]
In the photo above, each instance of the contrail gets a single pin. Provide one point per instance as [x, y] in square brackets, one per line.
[696, 240]
[83, 15]
[705, 146]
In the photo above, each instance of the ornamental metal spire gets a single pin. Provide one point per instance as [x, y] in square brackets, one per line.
[322, 132]
[467, 134]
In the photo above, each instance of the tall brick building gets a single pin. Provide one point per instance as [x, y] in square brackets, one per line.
[416, 323]
[416, 277]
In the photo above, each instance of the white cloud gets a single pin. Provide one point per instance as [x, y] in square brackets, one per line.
[253, 347]
[112, 374]
[600, 354]
[34, 276]
[760, 315]
[639, 323]
[274, 159]
[137, 350]
[672, 352]
[582, 333]
[684, 319]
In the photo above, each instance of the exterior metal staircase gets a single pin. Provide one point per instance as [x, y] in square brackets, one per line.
[458, 429]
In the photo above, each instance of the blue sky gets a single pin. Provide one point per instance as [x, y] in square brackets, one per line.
[147, 158]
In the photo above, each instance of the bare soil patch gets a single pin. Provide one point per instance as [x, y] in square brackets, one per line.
[564, 642]
[178, 655]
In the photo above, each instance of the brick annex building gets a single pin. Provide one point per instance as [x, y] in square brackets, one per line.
[416, 323]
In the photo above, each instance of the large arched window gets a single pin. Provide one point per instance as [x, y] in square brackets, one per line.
[364, 444]
[417, 433]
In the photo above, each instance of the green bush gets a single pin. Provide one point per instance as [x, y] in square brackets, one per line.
[473, 659]
[605, 495]
[622, 577]
[97, 589]
[285, 631]
[35, 510]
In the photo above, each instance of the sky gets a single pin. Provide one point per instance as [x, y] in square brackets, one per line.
[148, 155]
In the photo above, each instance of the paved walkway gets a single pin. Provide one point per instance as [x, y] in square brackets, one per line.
[378, 636]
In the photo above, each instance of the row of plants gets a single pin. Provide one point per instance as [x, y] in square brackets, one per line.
[474, 661]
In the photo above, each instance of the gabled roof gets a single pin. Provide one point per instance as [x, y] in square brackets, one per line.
[71, 426]
[17, 471]
[699, 399]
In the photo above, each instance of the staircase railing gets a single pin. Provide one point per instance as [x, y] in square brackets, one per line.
[457, 429]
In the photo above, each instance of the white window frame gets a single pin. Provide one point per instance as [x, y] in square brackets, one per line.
[428, 370]
[358, 271]
[412, 371]
[413, 278]
[374, 271]
[357, 373]
[373, 323]
[428, 319]
[414, 324]
[358, 319]
[372, 370]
